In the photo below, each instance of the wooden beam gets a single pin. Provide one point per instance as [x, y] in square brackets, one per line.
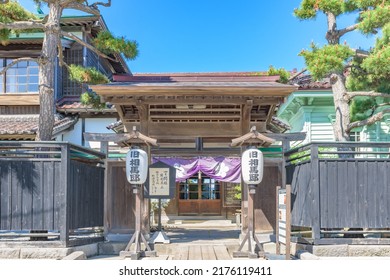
[166, 139]
[104, 137]
[169, 90]
[11, 99]
[246, 116]
[196, 116]
[253, 137]
[131, 116]
[123, 137]
[257, 116]
[121, 113]
[194, 152]
[295, 136]
[205, 111]
[143, 112]
[194, 100]
[270, 113]
[194, 129]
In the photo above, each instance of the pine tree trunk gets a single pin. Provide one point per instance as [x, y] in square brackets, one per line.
[341, 107]
[46, 73]
[338, 86]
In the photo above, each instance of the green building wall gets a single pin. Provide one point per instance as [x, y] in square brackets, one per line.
[313, 112]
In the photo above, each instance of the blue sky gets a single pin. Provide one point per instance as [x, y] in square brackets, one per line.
[215, 35]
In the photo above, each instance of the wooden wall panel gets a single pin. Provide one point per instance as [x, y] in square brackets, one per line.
[265, 199]
[121, 201]
[27, 196]
[301, 194]
[355, 194]
[31, 198]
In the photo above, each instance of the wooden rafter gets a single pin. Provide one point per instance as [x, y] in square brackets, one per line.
[122, 137]
[252, 137]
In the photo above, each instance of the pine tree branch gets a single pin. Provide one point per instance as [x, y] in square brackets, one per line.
[371, 120]
[81, 7]
[96, 4]
[16, 61]
[22, 25]
[64, 3]
[4, 1]
[347, 29]
[61, 60]
[81, 42]
[91, 9]
[297, 74]
[352, 94]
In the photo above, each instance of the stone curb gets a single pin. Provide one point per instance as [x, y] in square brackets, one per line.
[305, 255]
[78, 255]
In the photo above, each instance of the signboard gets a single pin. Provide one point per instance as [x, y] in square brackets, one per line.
[283, 230]
[230, 198]
[252, 165]
[161, 181]
[136, 166]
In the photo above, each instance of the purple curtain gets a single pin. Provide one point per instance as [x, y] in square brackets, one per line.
[220, 168]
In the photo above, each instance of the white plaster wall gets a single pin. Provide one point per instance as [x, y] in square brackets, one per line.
[73, 136]
[97, 125]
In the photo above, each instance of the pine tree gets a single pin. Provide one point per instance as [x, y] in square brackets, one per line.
[15, 19]
[360, 79]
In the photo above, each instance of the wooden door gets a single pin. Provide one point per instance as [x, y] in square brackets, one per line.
[199, 195]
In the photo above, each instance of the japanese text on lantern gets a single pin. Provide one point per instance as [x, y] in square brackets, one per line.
[253, 166]
[134, 164]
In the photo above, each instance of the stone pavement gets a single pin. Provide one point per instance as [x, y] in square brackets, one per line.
[211, 240]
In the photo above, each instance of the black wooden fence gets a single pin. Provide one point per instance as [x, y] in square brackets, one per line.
[339, 186]
[55, 188]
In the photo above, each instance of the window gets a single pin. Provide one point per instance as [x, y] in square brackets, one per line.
[200, 187]
[354, 136]
[20, 78]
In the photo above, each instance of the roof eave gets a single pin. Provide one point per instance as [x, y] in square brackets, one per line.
[305, 93]
[104, 90]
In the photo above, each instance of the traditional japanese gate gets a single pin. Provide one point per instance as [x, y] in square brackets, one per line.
[197, 115]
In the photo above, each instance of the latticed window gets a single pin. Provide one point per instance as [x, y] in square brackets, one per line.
[20, 78]
[200, 187]
[355, 136]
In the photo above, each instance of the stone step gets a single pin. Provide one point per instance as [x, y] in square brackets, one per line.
[198, 221]
[200, 224]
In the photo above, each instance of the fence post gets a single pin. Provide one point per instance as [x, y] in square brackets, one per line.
[315, 190]
[277, 221]
[285, 148]
[64, 193]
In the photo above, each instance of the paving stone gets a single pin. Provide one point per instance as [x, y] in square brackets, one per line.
[44, 253]
[89, 249]
[330, 250]
[9, 253]
[369, 250]
[111, 248]
[78, 255]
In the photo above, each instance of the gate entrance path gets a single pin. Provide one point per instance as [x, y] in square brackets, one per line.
[196, 240]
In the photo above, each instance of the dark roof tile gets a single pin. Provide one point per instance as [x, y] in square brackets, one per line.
[28, 124]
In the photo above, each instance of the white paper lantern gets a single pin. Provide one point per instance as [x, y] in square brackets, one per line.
[252, 165]
[136, 166]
